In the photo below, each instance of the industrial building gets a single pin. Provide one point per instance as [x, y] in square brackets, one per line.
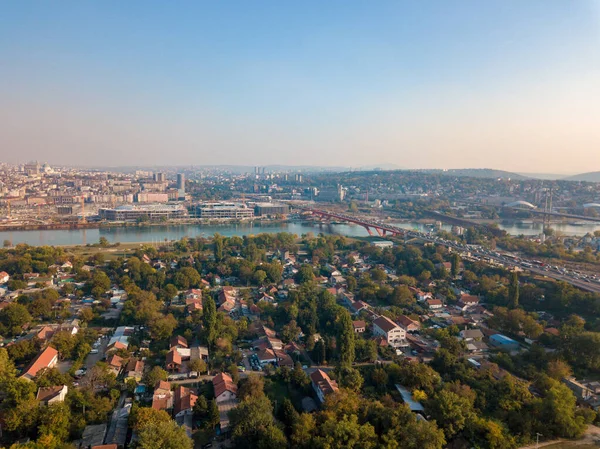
[270, 209]
[149, 211]
[223, 210]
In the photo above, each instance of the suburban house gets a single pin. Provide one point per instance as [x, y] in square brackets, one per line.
[52, 395]
[322, 384]
[4, 277]
[184, 401]
[468, 301]
[173, 360]
[48, 358]
[408, 324]
[359, 326]
[358, 306]
[435, 304]
[393, 334]
[177, 341]
[225, 389]
[134, 369]
[115, 364]
[162, 399]
[471, 335]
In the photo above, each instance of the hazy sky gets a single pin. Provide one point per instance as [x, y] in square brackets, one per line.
[508, 84]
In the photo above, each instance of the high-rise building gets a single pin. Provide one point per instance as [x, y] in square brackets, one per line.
[159, 177]
[180, 185]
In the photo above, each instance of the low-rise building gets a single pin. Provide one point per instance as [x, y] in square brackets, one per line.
[48, 358]
[52, 395]
[322, 384]
[225, 388]
[394, 335]
[359, 326]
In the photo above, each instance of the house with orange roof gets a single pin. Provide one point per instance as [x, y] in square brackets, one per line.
[184, 401]
[173, 360]
[162, 399]
[322, 384]
[48, 358]
[225, 388]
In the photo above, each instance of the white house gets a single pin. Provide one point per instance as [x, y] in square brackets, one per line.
[52, 395]
[225, 389]
[394, 334]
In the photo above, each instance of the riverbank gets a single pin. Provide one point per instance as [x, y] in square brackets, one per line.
[125, 224]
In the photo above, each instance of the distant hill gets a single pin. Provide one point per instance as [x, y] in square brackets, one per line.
[593, 176]
[479, 173]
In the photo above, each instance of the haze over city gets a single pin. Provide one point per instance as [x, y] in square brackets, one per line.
[508, 85]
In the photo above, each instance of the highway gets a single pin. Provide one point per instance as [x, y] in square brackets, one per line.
[584, 281]
[509, 259]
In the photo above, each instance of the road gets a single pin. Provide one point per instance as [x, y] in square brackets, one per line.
[512, 260]
[524, 264]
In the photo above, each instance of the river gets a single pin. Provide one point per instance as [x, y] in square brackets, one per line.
[176, 232]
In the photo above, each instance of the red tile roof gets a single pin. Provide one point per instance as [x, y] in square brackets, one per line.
[42, 360]
[385, 324]
[223, 382]
[324, 382]
[173, 357]
[184, 399]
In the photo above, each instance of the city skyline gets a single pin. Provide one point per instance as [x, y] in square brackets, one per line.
[503, 85]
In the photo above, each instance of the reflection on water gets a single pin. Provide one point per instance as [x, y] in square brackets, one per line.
[175, 232]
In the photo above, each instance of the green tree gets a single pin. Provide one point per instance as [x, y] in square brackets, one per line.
[259, 277]
[513, 291]
[218, 247]
[345, 338]
[163, 435]
[55, 420]
[253, 424]
[558, 413]
[251, 387]
[455, 265]
[152, 377]
[213, 418]
[209, 317]
[13, 317]
[451, 411]
[305, 274]
[198, 365]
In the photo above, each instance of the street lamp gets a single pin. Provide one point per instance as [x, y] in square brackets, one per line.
[537, 439]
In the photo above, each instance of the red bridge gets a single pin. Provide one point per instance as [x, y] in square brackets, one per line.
[381, 228]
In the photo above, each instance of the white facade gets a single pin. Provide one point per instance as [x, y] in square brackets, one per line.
[395, 336]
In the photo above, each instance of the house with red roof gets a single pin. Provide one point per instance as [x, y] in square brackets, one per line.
[4, 277]
[162, 399]
[173, 362]
[184, 401]
[322, 384]
[225, 388]
[48, 358]
[394, 335]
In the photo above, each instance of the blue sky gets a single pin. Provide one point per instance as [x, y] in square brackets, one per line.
[503, 84]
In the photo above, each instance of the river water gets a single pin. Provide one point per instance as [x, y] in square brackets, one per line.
[175, 232]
